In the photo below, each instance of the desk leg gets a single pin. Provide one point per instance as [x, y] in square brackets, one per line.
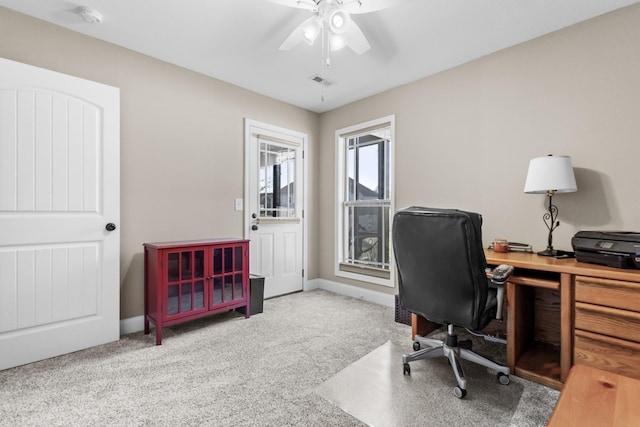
[512, 322]
[520, 327]
[566, 325]
[421, 326]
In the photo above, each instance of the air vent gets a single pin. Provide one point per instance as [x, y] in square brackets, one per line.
[321, 80]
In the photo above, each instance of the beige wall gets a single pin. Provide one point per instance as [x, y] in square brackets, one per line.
[182, 140]
[465, 136]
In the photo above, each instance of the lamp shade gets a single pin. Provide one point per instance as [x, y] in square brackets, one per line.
[550, 173]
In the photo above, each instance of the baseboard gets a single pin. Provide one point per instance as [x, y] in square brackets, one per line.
[136, 324]
[131, 325]
[353, 291]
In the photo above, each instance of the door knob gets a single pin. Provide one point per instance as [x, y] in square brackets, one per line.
[110, 227]
[254, 227]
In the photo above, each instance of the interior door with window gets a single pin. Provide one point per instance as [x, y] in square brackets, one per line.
[59, 214]
[274, 206]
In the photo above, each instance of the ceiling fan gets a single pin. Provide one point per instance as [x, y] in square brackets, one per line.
[332, 21]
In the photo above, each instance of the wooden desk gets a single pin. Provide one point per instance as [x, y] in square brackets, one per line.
[545, 295]
[593, 397]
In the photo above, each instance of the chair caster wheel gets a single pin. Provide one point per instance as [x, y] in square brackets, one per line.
[459, 392]
[503, 378]
[406, 369]
[416, 346]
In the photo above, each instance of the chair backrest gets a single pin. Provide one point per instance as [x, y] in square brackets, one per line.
[441, 265]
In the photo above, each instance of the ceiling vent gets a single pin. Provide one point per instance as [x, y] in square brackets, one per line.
[321, 80]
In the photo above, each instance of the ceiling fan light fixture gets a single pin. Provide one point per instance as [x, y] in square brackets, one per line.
[336, 42]
[310, 31]
[339, 21]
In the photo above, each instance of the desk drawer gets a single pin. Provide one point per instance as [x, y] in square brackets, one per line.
[612, 293]
[610, 354]
[608, 321]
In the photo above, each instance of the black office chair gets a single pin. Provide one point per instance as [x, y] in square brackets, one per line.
[442, 277]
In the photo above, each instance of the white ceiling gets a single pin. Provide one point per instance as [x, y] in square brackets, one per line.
[237, 40]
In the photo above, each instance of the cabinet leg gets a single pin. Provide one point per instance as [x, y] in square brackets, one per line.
[158, 335]
[146, 325]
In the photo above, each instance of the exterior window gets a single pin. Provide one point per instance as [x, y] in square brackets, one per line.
[365, 201]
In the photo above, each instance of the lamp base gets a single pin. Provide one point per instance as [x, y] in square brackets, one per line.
[556, 253]
[548, 252]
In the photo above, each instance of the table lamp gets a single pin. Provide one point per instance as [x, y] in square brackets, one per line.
[549, 175]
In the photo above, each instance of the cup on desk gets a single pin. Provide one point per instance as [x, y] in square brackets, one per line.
[500, 245]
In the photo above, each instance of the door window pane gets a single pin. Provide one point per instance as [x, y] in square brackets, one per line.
[198, 295]
[217, 290]
[172, 300]
[186, 297]
[183, 293]
[217, 261]
[186, 265]
[237, 256]
[198, 264]
[277, 180]
[228, 260]
[173, 266]
[237, 287]
[228, 288]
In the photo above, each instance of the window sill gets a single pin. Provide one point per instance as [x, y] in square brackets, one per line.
[363, 273]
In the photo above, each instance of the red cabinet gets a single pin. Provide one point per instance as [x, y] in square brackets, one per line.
[190, 279]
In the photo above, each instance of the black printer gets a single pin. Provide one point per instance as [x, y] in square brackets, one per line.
[620, 249]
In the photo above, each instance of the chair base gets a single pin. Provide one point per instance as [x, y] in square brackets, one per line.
[453, 353]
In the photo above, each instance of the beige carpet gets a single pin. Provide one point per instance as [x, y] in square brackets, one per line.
[270, 370]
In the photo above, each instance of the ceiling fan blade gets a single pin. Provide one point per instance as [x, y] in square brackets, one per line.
[300, 4]
[366, 6]
[356, 39]
[294, 39]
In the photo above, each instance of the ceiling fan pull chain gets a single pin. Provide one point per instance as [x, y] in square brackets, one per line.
[326, 47]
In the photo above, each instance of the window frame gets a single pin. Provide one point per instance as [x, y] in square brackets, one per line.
[379, 276]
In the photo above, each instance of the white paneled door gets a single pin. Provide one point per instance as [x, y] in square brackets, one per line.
[274, 206]
[59, 213]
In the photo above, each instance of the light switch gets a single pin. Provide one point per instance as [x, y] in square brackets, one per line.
[238, 204]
